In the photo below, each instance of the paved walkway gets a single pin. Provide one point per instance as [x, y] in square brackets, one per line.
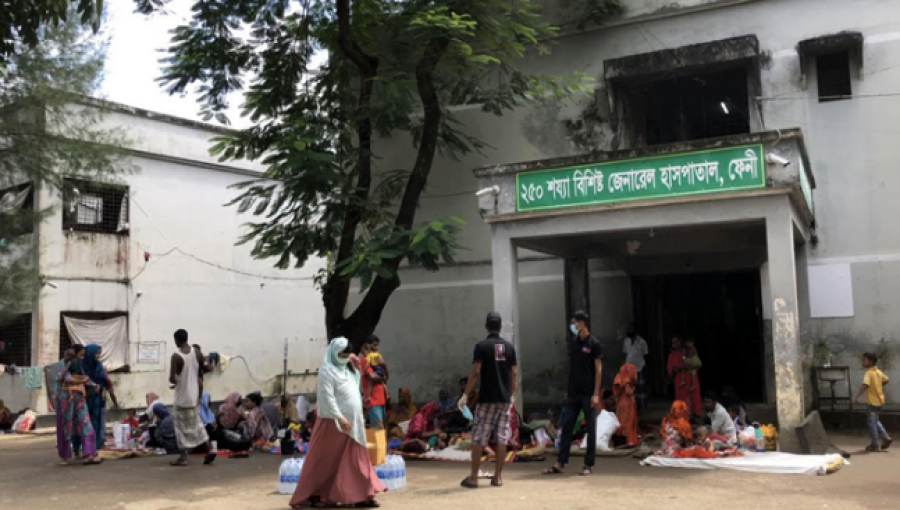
[31, 480]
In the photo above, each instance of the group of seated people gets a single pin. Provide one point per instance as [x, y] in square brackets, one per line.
[717, 435]
[430, 427]
[240, 424]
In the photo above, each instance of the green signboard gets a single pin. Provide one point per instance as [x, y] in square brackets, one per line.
[672, 175]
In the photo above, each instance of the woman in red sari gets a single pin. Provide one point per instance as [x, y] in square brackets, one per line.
[626, 412]
[683, 392]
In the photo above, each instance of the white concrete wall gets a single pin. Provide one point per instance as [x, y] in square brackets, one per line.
[852, 146]
[228, 301]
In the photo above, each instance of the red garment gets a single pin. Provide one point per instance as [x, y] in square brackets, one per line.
[422, 422]
[682, 391]
[363, 366]
[131, 422]
[694, 452]
[626, 411]
[336, 469]
[377, 395]
[679, 420]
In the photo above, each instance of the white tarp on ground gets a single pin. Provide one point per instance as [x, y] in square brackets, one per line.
[110, 334]
[773, 462]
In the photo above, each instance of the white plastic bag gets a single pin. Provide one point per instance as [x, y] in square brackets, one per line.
[607, 425]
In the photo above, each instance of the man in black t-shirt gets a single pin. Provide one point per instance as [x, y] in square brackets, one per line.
[583, 393]
[495, 363]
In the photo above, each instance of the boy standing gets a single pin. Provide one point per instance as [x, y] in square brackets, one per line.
[872, 384]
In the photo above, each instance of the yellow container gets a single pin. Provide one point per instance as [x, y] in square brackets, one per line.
[770, 434]
[376, 445]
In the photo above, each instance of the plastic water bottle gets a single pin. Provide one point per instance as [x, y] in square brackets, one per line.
[283, 477]
[760, 441]
[402, 470]
[393, 473]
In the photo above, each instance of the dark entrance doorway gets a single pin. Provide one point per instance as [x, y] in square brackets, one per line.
[722, 311]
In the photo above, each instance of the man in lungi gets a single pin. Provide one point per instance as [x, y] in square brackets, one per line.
[186, 376]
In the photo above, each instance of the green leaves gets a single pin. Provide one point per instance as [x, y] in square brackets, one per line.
[426, 245]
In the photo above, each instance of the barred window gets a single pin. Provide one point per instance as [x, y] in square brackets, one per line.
[15, 341]
[95, 207]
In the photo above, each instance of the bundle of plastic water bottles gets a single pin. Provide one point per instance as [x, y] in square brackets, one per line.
[392, 473]
[289, 475]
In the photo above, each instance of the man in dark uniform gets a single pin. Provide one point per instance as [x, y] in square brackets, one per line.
[583, 393]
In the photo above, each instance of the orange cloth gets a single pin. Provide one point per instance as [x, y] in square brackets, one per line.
[679, 419]
[626, 412]
[694, 452]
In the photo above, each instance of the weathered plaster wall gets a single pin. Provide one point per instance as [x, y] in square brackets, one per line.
[851, 146]
[228, 301]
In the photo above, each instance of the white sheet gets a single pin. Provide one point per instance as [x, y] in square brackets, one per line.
[110, 334]
[770, 462]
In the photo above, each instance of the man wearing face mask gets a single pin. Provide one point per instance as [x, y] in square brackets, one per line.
[583, 393]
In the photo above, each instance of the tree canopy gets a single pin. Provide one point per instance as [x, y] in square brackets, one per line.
[392, 67]
[45, 141]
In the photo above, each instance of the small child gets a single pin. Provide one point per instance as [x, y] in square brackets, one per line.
[703, 440]
[872, 384]
[691, 363]
[734, 410]
[131, 420]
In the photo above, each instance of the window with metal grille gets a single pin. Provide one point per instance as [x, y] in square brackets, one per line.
[833, 75]
[15, 201]
[95, 207]
[15, 341]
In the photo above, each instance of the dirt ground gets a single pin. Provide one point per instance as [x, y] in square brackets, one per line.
[30, 479]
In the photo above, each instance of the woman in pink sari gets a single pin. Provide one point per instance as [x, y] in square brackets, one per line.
[683, 392]
[337, 468]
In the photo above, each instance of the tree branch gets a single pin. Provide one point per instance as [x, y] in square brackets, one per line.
[376, 298]
[337, 288]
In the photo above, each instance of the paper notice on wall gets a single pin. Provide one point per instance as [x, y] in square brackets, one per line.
[830, 291]
[149, 353]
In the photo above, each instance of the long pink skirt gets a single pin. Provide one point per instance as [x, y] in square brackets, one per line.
[336, 469]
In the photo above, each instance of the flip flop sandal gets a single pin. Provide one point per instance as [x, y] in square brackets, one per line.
[586, 471]
[552, 470]
[495, 483]
[178, 463]
[369, 503]
[209, 459]
[94, 462]
[468, 484]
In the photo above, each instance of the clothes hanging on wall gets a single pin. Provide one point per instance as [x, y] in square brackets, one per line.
[33, 377]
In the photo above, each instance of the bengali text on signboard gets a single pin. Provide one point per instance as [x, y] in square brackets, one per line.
[671, 175]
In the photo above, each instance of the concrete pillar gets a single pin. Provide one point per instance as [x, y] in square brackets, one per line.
[768, 346]
[578, 289]
[785, 330]
[505, 266]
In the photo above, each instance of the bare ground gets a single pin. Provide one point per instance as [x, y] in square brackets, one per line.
[30, 479]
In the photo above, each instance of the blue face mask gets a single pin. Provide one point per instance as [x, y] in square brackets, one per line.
[573, 329]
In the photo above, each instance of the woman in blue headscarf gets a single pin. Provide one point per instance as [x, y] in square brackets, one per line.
[96, 400]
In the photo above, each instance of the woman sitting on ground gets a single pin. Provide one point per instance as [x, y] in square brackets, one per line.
[6, 417]
[230, 420]
[404, 410]
[422, 432]
[675, 430]
[257, 428]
